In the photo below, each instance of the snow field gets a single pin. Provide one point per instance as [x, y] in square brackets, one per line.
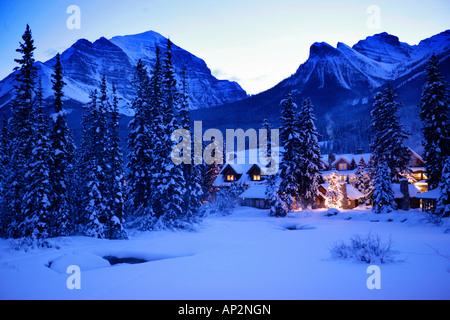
[247, 255]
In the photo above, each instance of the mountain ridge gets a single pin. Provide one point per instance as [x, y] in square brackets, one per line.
[341, 83]
[85, 63]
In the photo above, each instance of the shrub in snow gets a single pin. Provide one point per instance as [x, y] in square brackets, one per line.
[29, 243]
[227, 199]
[369, 249]
[332, 212]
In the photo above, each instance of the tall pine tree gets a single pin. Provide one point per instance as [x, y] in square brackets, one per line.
[309, 175]
[38, 216]
[191, 172]
[388, 134]
[63, 148]
[21, 129]
[383, 195]
[434, 113]
[115, 173]
[172, 183]
[443, 202]
[140, 144]
[288, 188]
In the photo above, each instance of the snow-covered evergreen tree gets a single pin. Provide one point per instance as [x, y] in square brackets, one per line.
[334, 196]
[96, 188]
[115, 173]
[383, 195]
[140, 145]
[63, 149]
[21, 129]
[290, 166]
[20, 135]
[388, 134]
[309, 175]
[172, 182]
[192, 172]
[443, 202]
[434, 113]
[38, 216]
[5, 155]
[362, 179]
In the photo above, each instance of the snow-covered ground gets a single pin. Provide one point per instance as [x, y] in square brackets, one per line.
[247, 255]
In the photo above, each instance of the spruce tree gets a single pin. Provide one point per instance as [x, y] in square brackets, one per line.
[309, 175]
[172, 183]
[383, 195]
[38, 216]
[96, 191]
[288, 189]
[388, 134]
[21, 129]
[443, 202]
[5, 156]
[139, 144]
[115, 174]
[434, 113]
[63, 148]
[362, 179]
[191, 172]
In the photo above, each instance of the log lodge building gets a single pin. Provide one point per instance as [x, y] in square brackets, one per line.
[249, 175]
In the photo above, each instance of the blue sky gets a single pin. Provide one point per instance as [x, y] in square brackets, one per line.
[255, 42]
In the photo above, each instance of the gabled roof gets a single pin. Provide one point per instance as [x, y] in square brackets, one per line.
[238, 168]
[255, 192]
[347, 157]
[413, 191]
[432, 194]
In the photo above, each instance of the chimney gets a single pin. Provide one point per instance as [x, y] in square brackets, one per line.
[359, 151]
[331, 159]
[404, 189]
[345, 197]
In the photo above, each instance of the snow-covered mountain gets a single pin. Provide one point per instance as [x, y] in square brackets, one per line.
[85, 63]
[341, 81]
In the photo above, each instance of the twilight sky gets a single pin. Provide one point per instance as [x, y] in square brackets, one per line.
[257, 43]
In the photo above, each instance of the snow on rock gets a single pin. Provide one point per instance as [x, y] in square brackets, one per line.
[85, 260]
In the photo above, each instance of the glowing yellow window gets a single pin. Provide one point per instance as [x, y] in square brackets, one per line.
[342, 166]
[256, 177]
[230, 177]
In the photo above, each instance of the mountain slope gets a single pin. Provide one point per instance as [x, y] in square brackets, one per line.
[85, 63]
[341, 83]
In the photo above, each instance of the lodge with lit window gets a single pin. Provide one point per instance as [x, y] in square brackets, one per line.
[251, 177]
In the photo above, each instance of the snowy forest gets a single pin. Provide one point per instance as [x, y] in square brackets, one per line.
[51, 187]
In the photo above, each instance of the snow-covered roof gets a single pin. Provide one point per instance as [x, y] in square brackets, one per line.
[413, 191]
[350, 173]
[432, 194]
[255, 192]
[241, 169]
[347, 157]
